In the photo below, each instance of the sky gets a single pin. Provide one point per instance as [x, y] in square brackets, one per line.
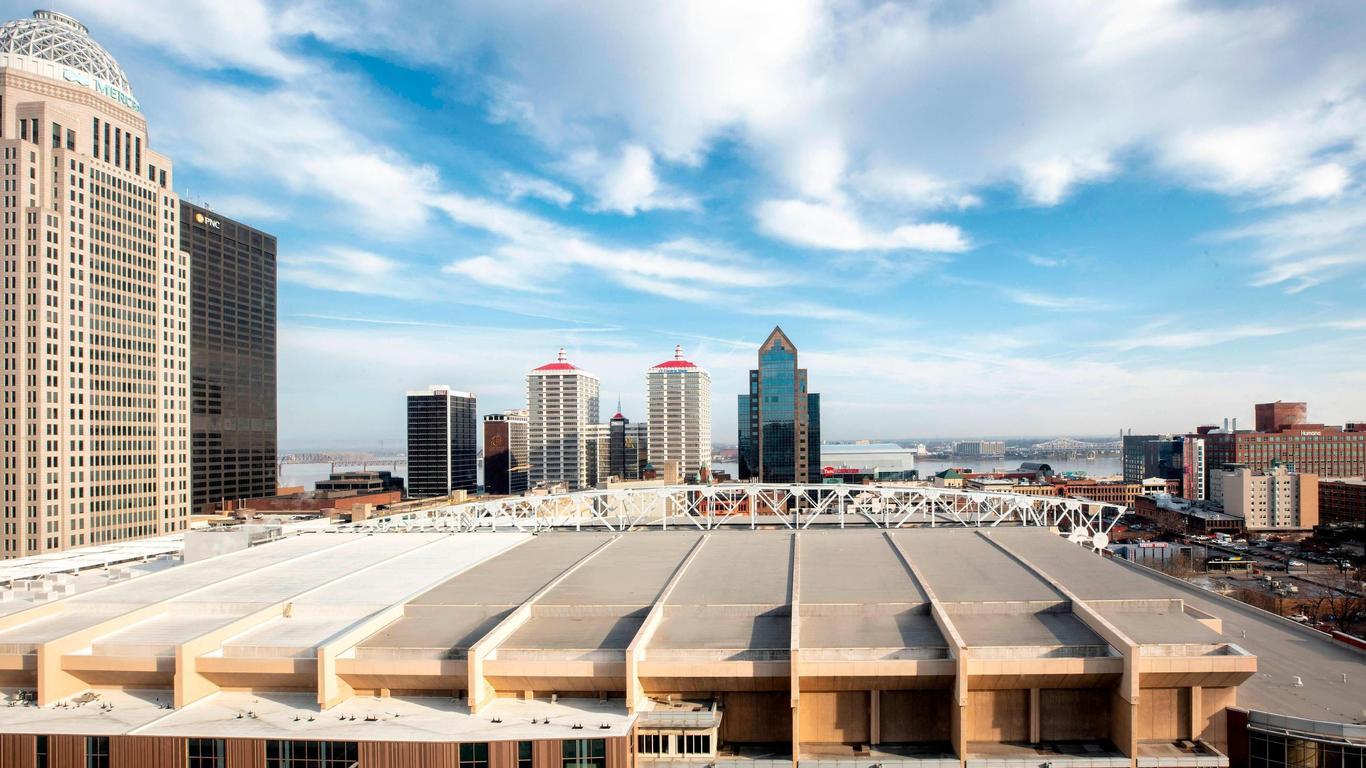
[973, 218]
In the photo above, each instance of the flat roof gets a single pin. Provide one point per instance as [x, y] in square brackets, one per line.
[591, 592]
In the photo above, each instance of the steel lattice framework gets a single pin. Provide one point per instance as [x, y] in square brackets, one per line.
[751, 506]
[56, 37]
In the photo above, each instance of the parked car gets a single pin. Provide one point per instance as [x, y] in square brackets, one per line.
[1295, 564]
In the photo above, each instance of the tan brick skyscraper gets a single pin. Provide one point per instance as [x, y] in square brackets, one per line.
[95, 317]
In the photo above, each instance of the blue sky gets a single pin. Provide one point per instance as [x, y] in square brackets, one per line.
[986, 218]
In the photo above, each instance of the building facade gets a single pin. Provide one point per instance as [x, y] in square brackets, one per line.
[562, 414]
[980, 449]
[627, 448]
[232, 357]
[1317, 449]
[506, 453]
[1342, 500]
[442, 450]
[678, 399]
[1275, 499]
[779, 420]
[96, 286]
[1147, 456]
[361, 481]
[1273, 417]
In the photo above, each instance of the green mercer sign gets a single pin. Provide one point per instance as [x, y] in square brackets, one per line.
[101, 87]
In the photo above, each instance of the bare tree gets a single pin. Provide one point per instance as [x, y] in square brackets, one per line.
[1337, 601]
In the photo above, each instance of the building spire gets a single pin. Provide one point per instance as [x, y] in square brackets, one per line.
[678, 351]
[562, 358]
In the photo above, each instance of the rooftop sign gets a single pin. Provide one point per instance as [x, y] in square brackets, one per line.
[101, 87]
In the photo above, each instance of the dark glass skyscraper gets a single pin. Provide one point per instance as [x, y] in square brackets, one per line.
[442, 452]
[232, 357]
[779, 421]
[627, 446]
[506, 449]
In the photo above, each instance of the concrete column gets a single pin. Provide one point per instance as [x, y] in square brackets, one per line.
[1034, 737]
[875, 717]
[1197, 720]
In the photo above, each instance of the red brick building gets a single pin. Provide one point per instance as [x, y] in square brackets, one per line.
[1342, 500]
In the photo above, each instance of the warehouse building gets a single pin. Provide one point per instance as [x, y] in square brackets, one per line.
[924, 647]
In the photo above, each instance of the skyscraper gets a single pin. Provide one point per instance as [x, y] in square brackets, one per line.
[678, 395]
[96, 318]
[626, 448]
[442, 452]
[779, 420]
[506, 452]
[562, 403]
[232, 357]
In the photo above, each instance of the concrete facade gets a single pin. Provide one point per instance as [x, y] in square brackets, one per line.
[96, 427]
[678, 401]
[562, 416]
[952, 646]
[1275, 500]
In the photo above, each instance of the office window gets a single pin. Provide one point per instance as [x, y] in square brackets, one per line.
[311, 754]
[96, 752]
[40, 752]
[697, 744]
[475, 755]
[523, 754]
[206, 753]
[652, 744]
[584, 753]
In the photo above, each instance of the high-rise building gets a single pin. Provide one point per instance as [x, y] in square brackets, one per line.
[506, 457]
[1272, 417]
[232, 357]
[626, 448]
[678, 395]
[96, 315]
[1275, 499]
[1149, 456]
[779, 420]
[442, 450]
[562, 408]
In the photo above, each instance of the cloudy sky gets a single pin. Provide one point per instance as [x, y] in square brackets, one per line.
[974, 218]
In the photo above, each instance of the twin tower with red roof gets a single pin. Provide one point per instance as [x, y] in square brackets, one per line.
[570, 446]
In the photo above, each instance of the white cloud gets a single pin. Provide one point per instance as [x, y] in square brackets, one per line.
[303, 146]
[1047, 262]
[206, 33]
[831, 92]
[1042, 300]
[832, 227]
[627, 182]
[352, 270]
[516, 186]
[1302, 248]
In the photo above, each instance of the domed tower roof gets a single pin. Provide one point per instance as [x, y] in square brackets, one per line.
[58, 38]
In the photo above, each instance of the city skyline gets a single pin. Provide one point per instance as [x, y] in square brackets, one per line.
[1149, 270]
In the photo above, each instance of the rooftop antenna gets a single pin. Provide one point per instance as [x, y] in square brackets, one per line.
[678, 351]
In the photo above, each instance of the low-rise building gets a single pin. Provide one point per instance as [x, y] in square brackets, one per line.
[1111, 492]
[358, 482]
[1186, 516]
[1342, 500]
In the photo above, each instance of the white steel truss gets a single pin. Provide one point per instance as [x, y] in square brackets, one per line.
[795, 507]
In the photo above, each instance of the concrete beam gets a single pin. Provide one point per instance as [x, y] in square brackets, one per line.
[332, 689]
[959, 712]
[1129, 682]
[480, 693]
[54, 682]
[635, 692]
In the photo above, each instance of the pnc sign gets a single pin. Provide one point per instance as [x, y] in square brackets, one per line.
[212, 223]
[101, 87]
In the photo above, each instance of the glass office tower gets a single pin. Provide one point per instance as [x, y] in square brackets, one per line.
[779, 420]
